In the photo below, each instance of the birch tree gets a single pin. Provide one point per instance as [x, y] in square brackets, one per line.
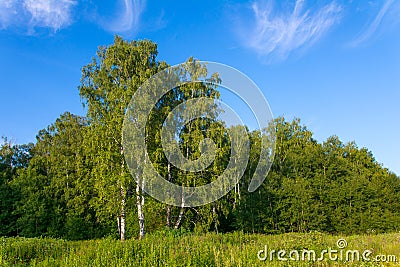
[107, 85]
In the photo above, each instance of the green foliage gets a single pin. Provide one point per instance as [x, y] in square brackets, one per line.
[13, 159]
[330, 187]
[51, 186]
[74, 183]
[107, 86]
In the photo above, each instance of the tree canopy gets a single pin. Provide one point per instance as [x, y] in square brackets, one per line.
[74, 182]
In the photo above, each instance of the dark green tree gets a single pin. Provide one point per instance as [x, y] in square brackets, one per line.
[13, 159]
[51, 186]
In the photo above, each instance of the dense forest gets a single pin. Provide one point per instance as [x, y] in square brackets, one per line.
[73, 183]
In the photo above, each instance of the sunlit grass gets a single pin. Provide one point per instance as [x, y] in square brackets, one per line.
[169, 248]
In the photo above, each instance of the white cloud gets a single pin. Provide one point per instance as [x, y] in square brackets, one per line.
[57, 14]
[53, 14]
[373, 27]
[275, 34]
[128, 17]
[8, 11]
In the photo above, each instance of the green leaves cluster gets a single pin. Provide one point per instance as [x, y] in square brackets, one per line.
[330, 187]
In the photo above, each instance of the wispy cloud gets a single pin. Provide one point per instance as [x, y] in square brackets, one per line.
[58, 14]
[276, 33]
[373, 27]
[55, 14]
[29, 14]
[8, 12]
[128, 17]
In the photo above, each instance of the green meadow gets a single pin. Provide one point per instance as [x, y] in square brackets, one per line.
[173, 248]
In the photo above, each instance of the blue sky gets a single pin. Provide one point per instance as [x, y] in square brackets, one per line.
[334, 64]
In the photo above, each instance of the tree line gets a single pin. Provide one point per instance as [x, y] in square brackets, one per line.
[73, 182]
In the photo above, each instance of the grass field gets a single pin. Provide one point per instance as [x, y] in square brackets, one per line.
[177, 249]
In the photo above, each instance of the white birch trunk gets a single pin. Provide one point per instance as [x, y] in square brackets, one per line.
[178, 222]
[168, 206]
[140, 204]
[122, 218]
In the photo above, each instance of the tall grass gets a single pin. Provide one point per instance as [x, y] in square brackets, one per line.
[168, 248]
